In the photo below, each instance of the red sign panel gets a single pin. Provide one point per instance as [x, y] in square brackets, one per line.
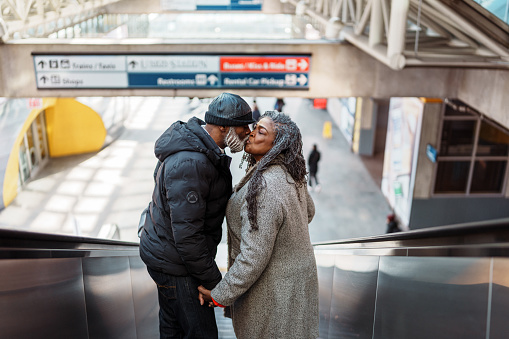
[264, 64]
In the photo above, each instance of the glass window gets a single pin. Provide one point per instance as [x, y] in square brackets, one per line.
[492, 140]
[457, 137]
[488, 176]
[457, 163]
[498, 7]
[452, 177]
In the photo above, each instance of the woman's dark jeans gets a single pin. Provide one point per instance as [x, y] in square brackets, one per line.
[180, 312]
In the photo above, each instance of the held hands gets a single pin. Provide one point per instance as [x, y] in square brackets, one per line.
[204, 296]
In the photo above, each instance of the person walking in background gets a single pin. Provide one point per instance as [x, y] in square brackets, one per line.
[279, 104]
[184, 225]
[256, 111]
[392, 224]
[271, 285]
[256, 114]
[313, 159]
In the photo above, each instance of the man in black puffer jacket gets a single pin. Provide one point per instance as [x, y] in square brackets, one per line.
[183, 227]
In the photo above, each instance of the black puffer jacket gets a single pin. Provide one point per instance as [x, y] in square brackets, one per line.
[183, 228]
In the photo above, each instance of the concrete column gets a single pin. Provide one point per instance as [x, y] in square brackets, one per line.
[367, 127]
[430, 128]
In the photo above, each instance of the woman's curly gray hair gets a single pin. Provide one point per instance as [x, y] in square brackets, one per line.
[288, 144]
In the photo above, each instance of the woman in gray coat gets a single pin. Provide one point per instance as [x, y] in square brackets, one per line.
[271, 284]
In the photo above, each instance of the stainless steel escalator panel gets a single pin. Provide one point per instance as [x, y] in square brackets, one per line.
[432, 298]
[325, 268]
[499, 326]
[353, 297]
[42, 298]
[146, 305]
[109, 298]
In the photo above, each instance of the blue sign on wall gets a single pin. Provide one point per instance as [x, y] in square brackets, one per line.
[173, 80]
[211, 5]
[264, 80]
[431, 152]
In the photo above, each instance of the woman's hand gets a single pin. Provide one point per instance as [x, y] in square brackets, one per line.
[205, 296]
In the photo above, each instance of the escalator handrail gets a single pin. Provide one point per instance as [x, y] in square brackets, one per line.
[24, 239]
[484, 232]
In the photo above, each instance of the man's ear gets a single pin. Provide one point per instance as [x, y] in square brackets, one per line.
[223, 129]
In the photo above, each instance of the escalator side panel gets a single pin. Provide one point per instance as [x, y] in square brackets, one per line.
[353, 297]
[42, 298]
[499, 326]
[146, 305]
[432, 297]
[109, 298]
[325, 268]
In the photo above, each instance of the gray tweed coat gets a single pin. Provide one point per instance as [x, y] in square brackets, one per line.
[271, 284]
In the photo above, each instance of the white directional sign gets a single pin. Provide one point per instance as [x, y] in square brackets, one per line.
[172, 64]
[80, 71]
[81, 80]
[80, 63]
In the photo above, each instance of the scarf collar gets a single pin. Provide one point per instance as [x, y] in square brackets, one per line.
[251, 171]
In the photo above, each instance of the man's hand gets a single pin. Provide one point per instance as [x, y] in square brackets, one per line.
[204, 296]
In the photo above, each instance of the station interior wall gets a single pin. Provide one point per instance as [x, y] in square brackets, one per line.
[426, 209]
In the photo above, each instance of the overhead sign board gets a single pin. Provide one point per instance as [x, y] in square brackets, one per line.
[211, 5]
[172, 71]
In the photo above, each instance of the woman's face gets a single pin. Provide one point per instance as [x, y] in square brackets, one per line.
[261, 138]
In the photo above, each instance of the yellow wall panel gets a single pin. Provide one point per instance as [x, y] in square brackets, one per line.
[73, 128]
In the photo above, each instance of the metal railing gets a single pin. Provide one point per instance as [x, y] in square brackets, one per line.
[443, 282]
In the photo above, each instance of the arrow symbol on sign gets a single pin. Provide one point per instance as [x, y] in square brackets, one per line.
[41, 63]
[212, 79]
[132, 64]
[302, 79]
[44, 79]
[303, 64]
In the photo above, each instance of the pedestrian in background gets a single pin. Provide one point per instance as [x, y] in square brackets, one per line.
[392, 224]
[256, 111]
[279, 104]
[313, 159]
[256, 114]
[184, 226]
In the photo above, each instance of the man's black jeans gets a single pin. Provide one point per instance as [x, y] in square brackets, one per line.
[180, 312]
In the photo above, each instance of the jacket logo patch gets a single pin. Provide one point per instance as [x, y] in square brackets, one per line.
[192, 197]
